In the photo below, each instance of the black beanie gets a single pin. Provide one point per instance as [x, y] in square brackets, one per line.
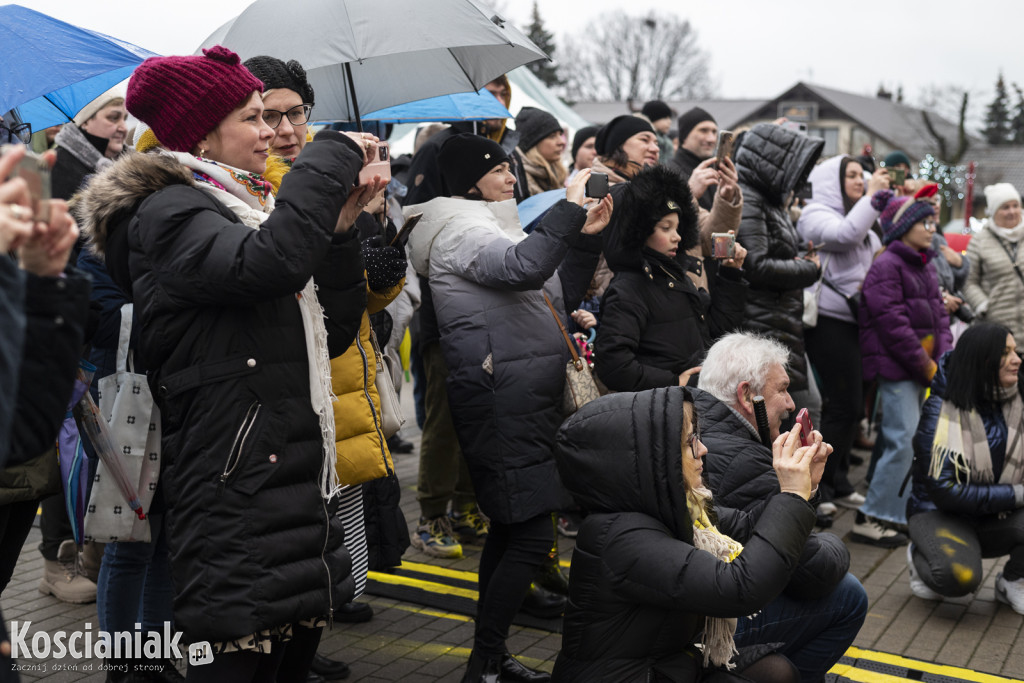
[534, 125]
[277, 74]
[656, 110]
[465, 159]
[582, 135]
[691, 119]
[614, 133]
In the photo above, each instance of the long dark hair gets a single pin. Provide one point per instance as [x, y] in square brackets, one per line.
[972, 369]
[847, 201]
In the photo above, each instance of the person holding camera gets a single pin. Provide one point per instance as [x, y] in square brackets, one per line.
[241, 308]
[995, 284]
[656, 325]
[506, 358]
[840, 218]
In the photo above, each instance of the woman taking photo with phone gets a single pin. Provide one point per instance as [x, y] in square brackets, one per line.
[657, 570]
[506, 358]
[968, 492]
[241, 307]
[839, 217]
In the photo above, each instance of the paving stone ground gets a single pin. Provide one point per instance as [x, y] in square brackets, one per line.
[414, 644]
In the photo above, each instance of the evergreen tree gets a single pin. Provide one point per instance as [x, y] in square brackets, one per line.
[1017, 122]
[546, 71]
[997, 119]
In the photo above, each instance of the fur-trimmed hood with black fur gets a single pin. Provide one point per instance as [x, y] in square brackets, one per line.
[650, 195]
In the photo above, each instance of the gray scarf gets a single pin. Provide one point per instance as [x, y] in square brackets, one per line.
[71, 138]
[960, 438]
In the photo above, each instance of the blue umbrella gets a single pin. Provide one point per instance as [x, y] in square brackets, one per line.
[534, 207]
[53, 69]
[463, 106]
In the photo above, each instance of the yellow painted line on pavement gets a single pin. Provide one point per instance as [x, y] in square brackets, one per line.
[850, 671]
[431, 586]
[439, 571]
[432, 613]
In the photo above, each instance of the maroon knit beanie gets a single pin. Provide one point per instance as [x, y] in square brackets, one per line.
[184, 98]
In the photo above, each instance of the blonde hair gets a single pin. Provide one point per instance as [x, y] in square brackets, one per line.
[556, 172]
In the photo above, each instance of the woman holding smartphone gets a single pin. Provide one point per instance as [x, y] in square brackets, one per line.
[839, 217]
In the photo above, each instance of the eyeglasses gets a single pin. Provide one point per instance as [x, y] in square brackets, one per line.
[692, 440]
[297, 115]
[931, 226]
[19, 132]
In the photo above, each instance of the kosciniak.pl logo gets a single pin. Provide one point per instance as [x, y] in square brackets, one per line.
[87, 643]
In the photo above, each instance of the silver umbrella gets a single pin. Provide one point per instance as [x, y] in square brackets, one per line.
[387, 52]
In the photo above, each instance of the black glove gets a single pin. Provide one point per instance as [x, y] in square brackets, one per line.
[385, 266]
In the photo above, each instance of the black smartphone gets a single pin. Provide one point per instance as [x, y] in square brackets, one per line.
[597, 185]
[403, 235]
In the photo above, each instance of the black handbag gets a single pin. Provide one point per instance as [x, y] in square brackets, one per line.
[852, 300]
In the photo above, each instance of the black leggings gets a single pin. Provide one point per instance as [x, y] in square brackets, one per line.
[834, 349]
[943, 541]
[287, 662]
[511, 556]
[15, 524]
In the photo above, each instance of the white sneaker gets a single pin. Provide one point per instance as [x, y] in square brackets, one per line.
[870, 530]
[852, 501]
[917, 586]
[1011, 593]
[827, 509]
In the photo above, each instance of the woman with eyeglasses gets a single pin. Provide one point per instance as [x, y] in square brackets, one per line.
[288, 100]
[658, 571]
[904, 331]
[968, 492]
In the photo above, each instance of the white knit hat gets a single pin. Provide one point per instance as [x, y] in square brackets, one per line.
[997, 195]
[89, 110]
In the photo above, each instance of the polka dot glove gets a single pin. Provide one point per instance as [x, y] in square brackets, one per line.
[385, 266]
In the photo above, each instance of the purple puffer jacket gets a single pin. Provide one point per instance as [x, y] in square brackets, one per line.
[901, 310]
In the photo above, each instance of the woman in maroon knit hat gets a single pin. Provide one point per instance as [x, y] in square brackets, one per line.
[241, 308]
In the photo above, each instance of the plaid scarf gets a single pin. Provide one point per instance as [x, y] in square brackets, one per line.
[718, 641]
[960, 438]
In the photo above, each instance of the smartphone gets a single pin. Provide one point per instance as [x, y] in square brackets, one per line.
[36, 173]
[380, 164]
[723, 245]
[803, 418]
[724, 148]
[897, 176]
[597, 185]
[795, 125]
[403, 235]
[806, 191]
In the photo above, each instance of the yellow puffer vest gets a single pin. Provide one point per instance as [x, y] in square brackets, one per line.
[357, 422]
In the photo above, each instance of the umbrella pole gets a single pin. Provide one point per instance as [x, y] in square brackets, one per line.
[352, 92]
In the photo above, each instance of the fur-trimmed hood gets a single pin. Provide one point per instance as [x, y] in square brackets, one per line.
[117, 191]
[649, 196]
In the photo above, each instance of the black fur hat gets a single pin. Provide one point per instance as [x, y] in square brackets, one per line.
[652, 194]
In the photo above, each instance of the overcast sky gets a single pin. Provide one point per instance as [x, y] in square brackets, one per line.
[757, 49]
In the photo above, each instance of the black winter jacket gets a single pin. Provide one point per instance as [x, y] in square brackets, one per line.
[684, 161]
[254, 545]
[772, 162]
[738, 470]
[655, 324]
[948, 492]
[639, 589]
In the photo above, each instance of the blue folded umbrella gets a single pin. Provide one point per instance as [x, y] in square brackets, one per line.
[532, 209]
[52, 69]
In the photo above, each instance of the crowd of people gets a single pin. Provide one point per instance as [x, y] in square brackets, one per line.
[260, 278]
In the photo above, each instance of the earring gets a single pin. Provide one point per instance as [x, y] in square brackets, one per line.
[202, 152]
